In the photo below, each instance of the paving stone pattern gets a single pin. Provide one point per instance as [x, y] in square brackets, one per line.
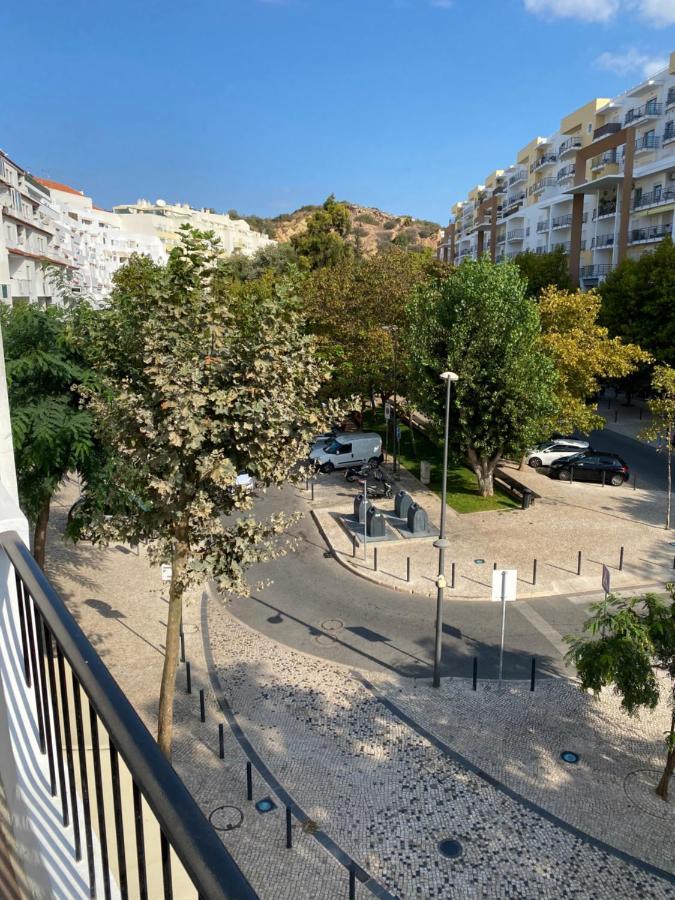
[389, 797]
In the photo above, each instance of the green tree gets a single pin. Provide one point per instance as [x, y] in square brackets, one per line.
[543, 269]
[662, 426]
[637, 302]
[626, 643]
[583, 354]
[196, 387]
[479, 323]
[324, 241]
[52, 435]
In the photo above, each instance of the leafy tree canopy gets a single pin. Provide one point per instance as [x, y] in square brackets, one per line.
[324, 242]
[543, 269]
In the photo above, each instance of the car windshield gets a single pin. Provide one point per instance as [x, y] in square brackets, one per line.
[569, 459]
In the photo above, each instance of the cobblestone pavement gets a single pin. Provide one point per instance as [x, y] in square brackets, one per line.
[372, 783]
[568, 518]
[389, 796]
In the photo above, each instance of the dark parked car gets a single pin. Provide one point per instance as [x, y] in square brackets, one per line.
[590, 466]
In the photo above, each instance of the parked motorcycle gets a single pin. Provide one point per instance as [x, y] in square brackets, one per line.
[358, 473]
[379, 490]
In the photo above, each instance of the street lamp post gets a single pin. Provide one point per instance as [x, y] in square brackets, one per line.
[395, 461]
[441, 543]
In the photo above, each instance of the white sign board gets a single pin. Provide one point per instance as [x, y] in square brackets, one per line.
[165, 569]
[606, 579]
[387, 411]
[506, 580]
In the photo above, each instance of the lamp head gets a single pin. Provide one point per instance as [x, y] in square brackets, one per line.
[449, 376]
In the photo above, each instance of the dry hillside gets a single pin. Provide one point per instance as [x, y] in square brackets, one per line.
[371, 227]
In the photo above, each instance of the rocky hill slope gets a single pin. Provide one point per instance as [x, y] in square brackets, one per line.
[371, 228]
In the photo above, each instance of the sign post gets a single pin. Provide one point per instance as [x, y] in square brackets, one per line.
[504, 583]
[606, 580]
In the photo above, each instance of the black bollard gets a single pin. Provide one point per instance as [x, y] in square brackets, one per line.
[571, 474]
[621, 560]
[452, 576]
[534, 572]
[221, 740]
[352, 883]
[494, 566]
[354, 547]
[407, 575]
[202, 710]
[289, 836]
[182, 647]
[579, 563]
[616, 416]
[533, 673]
[374, 559]
[635, 482]
[604, 477]
[249, 781]
[312, 490]
[475, 672]
[188, 678]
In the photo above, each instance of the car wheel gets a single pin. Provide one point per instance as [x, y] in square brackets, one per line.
[327, 468]
[564, 475]
[616, 480]
[374, 462]
[535, 462]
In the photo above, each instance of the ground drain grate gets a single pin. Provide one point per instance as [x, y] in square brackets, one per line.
[450, 849]
[226, 818]
[569, 757]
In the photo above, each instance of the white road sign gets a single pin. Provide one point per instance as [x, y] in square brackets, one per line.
[504, 583]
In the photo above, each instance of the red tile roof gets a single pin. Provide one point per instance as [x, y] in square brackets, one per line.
[57, 186]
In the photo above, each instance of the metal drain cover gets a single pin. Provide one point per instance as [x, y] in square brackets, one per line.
[325, 640]
[569, 757]
[332, 625]
[450, 849]
[226, 818]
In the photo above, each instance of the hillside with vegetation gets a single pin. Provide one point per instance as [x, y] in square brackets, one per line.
[371, 229]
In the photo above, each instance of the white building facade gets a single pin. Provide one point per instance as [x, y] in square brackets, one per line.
[601, 188]
[165, 220]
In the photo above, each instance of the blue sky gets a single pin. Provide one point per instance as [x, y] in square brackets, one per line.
[265, 105]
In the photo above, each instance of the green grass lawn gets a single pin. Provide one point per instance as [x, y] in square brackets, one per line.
[462, 493]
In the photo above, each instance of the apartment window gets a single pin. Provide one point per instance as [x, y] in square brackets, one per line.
[657, 193]
[589, 127]
[638, 196]
[4, 292]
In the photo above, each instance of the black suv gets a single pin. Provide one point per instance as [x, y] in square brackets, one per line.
[591, 465]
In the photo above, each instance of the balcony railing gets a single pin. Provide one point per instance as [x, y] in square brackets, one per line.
[647, 142]
[610, 157]
[593, 273]
[654, 198]
[669, 132]
[542, 226]
[602, 240]
[568, 146]
[517, 234]
[644, 112]
[644, 235]
[607, 128]
[542, 184]
[83, 722]
[605, 209]
[520, 175]
[566, 172]
[547, 160]
[566, 220]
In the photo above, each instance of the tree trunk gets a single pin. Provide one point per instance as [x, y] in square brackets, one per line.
[40, 534]
[175, 613]
[412, 432]
[484, 468]
[522, 463]
[662, 787]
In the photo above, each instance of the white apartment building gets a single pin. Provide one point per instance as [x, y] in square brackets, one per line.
[27, 236]
[165, 219]
[602, 187]
[95, 242]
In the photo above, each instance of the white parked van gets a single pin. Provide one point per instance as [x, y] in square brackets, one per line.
[348, 450]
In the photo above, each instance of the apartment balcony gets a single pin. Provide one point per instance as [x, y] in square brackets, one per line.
[571, 145]
[517, 177]
[602, 241]
[566, 173]
[517, 234]
[595, 272]
[501, 239]
[95, 809]
[513, 200]
[649, 235]
[654, 198]
[542, 185]
[547, 160]
[649, 111]
[670, 100]
[606, 129]
[669, 133]
[647, 142]
[604, 210]
[542, 226]
[610, 158]
[566, 220]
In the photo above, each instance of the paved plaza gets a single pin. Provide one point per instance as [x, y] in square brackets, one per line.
[383, 767]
